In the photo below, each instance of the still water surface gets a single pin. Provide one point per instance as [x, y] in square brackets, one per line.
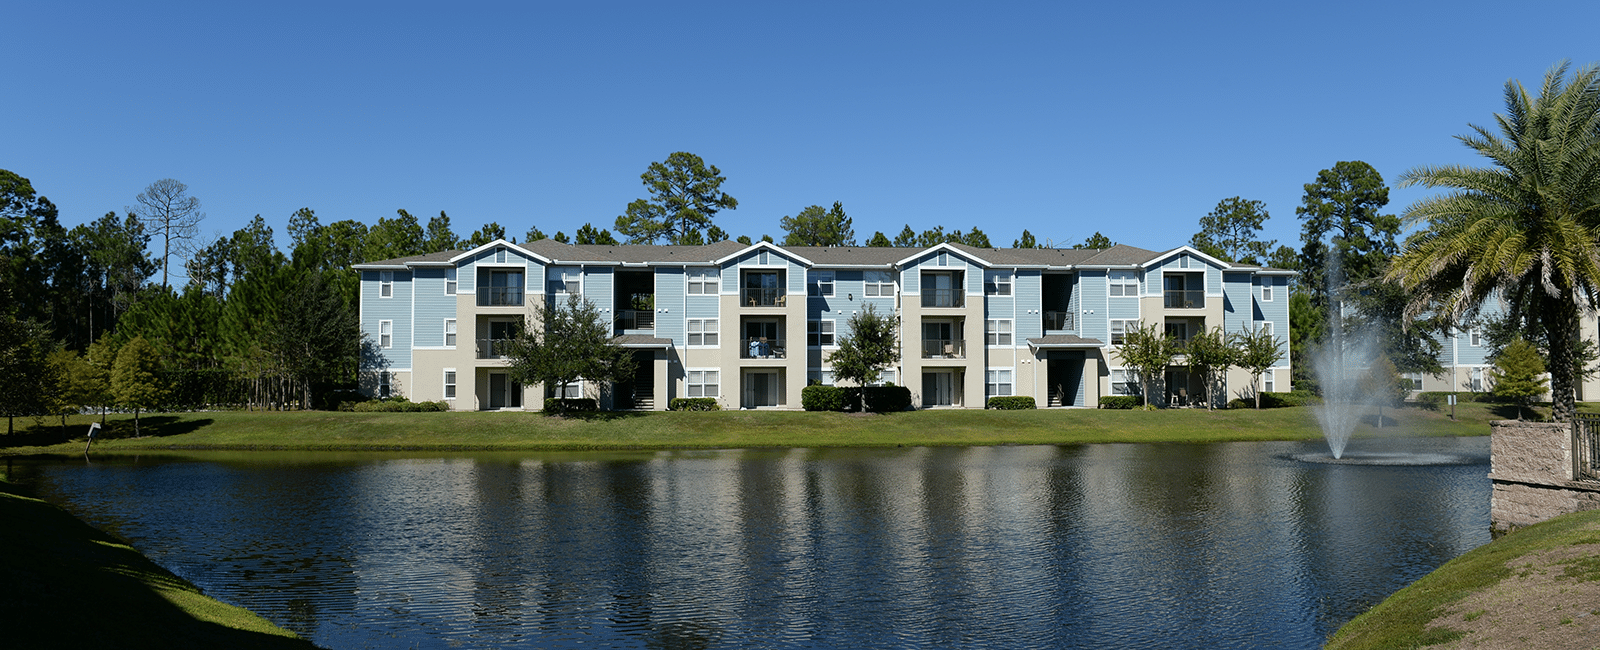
[1233, 545]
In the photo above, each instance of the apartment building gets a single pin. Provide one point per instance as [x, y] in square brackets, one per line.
[751, 325]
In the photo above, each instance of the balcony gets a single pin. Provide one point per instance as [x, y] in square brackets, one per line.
[763, 297]
[1182, 299]
[1059, 320]
[942, 297]
[944, 349]
[762, 348]
[635, 319]
[494, 348]
[500, 296]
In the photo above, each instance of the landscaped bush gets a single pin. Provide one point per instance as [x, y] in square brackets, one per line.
[1461, 396]
[1276, 400]
[1119, 401]
[1011, 403]
[694, 404]
[822, 398]
[887, 399]
[558, 406]
[399, 405]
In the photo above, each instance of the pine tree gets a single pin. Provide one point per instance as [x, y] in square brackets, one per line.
[1518, 374]
[136, 381]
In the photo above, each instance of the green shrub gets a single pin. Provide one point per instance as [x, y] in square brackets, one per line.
[887, 399]
[1431, 401]
[694, 404]
[1276, 400]
[822, 398]
[1119, 401]
[397, 405]
[558, 406]
[1011, 403]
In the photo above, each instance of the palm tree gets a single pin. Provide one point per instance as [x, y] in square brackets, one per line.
[1525, 229]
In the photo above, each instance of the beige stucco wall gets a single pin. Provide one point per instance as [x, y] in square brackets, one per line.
[1530, 464]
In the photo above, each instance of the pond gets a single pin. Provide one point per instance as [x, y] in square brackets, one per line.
[1230, 545]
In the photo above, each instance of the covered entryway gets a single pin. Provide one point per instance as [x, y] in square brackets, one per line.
[941, 388]
[504, 392]
[1064, 378]
[763, 388]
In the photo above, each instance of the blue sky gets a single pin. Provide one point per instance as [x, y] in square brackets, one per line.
[1063, 118]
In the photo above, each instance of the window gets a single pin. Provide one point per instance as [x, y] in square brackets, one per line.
[385, 284]
[943, 259]
[878, 283]
[703, 383]
[822, 284]
[1124, 283]
[997, 283]
[1266, 293]
[385, 334]
[1265, 326]
[1477, 380]
[703, 332]
[450, 284]
[500, 255]
[1119, 329]
[1124, 382]
[1416, 380]
[997, 332]
[885, 378]
[573, 390]
[1268, 385]
[819, 333]
[703, 282]
[566, 279]
[383, 384]
[449, 383]
[1474, 339]
[499, 288]
[449, 332]
[998, 384]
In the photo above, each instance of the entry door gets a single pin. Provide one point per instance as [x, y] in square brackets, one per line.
[504, 393]
[760, 389]
[938, 389]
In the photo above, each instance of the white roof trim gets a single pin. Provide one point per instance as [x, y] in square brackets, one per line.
[767, 245]
[499, 242]
[945, 246]
[1190, 250]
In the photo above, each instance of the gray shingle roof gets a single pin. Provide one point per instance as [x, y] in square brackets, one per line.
[1064, 341]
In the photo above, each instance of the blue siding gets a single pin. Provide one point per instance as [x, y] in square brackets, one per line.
[1092, 287]
[670, 297]
[1213, 280]
[910, 282]
[1237, 302]
[597, 283]
[397, 309]
[432, 308]
[1028, 286]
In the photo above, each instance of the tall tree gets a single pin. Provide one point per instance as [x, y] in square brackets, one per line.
[25, 218]
[864, 351]
[440, 237]
[24, 363]
[1342, 206]
[1210, 354]
[316, 335]
[1230, 232]
[1096, 241]
[488, 233]
[879, 240]
[1524, 229]
[1026, 241]
[1518, 374]
[906, 239]
[570, 341]
[534, 234]
[401, 236]
[814, 226]
[171, 216]
[589, 235]
[685, 193]
[713, 234]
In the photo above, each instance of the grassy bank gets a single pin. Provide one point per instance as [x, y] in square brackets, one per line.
[720, 430]
[68, 585]
[1536, 588]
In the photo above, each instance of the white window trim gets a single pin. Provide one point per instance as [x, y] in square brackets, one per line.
[382, 325]
[1266, 293]
[1131, 380]
[1111, 328]
[1266, 325]
[577, 384]
[385, 384]
[823, 279]
[1010, 332]
[713, 330]
[450, 324]
[881, 281]
[1269, 381]
[833, 332]
[451, 286]
[709, 279]
[386, 284]
[565, 290]
[448, 385]
[716, 392]
[1000, 377]
[1474, 339]
[1003, 281]
[1123, 279]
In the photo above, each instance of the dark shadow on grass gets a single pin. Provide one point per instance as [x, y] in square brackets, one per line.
[603, 416]
[156, 426]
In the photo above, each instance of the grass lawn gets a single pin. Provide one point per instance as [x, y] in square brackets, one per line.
[316, 430]
[1547, 570]
[67, 585]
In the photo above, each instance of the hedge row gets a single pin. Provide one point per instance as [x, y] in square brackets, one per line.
[1119, 402]
[1011, 403]
[557, 405]
[399, 405]
[879, 399]
[694, 404]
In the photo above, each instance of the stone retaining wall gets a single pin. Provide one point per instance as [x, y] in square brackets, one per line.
[1530, 464]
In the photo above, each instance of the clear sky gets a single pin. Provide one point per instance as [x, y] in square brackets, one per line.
[1132, 119]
